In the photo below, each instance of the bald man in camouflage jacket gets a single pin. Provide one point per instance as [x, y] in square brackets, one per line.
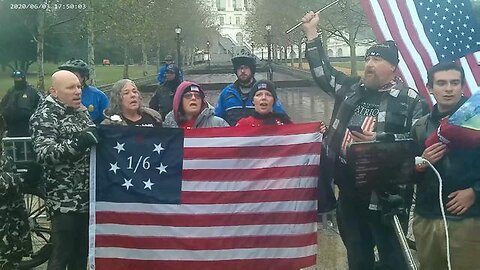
[62, 135]
[14, 228]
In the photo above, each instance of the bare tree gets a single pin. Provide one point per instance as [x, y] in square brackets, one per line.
[344, 20]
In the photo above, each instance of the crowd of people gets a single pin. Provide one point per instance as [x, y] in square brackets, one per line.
[62, 126]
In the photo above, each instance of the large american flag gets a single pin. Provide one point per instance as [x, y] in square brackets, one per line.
[248, 199]
[428, 32]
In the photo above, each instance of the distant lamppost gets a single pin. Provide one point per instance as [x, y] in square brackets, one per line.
[178, 31]
[208, 53]
[269, 47]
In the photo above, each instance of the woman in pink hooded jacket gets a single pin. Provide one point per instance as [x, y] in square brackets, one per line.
[191, 110]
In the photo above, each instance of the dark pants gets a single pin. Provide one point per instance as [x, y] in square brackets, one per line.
[70, 242]
[361, 230]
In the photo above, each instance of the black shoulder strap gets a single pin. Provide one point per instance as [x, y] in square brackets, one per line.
[421, 127]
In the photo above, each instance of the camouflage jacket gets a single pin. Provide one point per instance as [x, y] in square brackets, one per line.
[14, 226]
[54, 129]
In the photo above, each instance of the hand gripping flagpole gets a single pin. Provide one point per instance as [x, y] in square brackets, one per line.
[317, 12]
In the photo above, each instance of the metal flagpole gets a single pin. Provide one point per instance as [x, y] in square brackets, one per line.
[318, 11]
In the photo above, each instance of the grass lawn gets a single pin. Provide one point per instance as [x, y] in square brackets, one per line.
[105, 75]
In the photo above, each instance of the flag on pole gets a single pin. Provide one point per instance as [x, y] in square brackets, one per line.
[230, 198]
[428, 32]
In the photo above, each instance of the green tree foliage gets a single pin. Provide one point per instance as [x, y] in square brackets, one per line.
[17, 46]
[120, 27]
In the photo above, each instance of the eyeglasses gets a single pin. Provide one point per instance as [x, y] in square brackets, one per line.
[190, 95]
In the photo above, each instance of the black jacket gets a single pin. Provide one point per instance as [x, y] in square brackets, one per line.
[459, 169]
[162, 100]
[399, 107]
[16, 108]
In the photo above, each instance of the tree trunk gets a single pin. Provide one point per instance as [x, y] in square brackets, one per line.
[274, 53]
[190, 56]
[351, 38]
[159, 62]
[40, 51]
[277, 53]
[300, 54]
[91, 44]
[285, 54]
[144, 59]
[325, 41]
[353, 57]
[125, 61]
[292, 55]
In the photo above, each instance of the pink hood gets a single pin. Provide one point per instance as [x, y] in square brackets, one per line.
[177, 99]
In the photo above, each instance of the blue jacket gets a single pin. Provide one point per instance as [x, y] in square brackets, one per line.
[161, 74]
[96, 102]
[231, 106]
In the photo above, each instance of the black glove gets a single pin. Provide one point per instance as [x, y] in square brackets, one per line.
[87, 138]
[32, 179]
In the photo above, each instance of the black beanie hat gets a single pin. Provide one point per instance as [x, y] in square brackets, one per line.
[387, 50]
[246, 60]
[264, 85]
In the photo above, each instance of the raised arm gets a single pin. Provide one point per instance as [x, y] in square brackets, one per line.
[327, 77]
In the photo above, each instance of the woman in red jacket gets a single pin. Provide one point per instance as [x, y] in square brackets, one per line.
[263, 97]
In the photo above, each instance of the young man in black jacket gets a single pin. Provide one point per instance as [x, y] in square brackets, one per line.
[378, 103]
[460, 172]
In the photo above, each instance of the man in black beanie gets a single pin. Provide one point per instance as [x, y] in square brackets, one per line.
[234, 101]
[18, 105]
[380, 102]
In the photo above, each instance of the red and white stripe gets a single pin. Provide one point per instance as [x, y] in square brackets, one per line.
[367, 124]
[399, 21]
[248, 202]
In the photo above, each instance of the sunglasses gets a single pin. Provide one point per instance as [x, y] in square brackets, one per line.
[190, 95]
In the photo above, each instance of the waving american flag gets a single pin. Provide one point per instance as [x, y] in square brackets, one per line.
[217, 198]
[428, 32]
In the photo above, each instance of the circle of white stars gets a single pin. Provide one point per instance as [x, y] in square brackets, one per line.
[128, 182]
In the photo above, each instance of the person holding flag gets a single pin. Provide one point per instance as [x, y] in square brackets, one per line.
[378, 103]
[191, 110]
[62, 134]
[126, 107]
[234, 101]
[460, 171]
[263, 95]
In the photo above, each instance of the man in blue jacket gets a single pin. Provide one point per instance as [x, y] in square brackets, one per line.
[234, 102]
[161, 77]
[93, 98]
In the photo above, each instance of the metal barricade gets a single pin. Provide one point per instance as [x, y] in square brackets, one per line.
[20, 149]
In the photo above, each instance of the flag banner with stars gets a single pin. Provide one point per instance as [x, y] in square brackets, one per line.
[248, 198]
[428, 32]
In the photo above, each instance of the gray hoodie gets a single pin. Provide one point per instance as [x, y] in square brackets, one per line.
[205, 119]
